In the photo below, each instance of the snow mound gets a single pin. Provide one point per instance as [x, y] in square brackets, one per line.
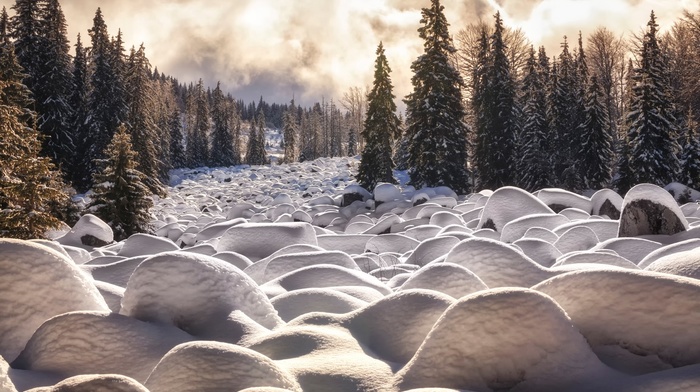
[324, 357]
[542, 234]
[117, 344]
[259, 240]
[112, 295]
[507, 204]
[257, 270]
[385, 192]
[384, 328]
[280, 265]
[397, 243]
[595, 258]
[497, 264]
[322, 276]
[631, 248]
[560, 199]
[604, 229]
[6, 384]
[447, 278]
[89, 231]
[144, 244]
[117, 273]
[666, 250]
[575, 239]
[293, 304]
[541, 251]
[95, 383]
[214, 366]
[685, 263]
[544, 351]
[606, 202]
[37, 283]
[196, 293]
[517, 228]
[431, 249]
[644, 313]
[353, 244]
[649, 209]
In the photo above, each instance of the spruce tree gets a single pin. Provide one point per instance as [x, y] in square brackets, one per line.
[235, 116]
[120, 197]
[381, 128]
[252, 156]
[352, 143]
[595, 150]
[26, 27]
[651, 124]
[178, 157]
[535, 161]
[222, 153]
[290, 133]
[4, 27]
[198, 132]
[690, 158]
[30, 188]
[624, 178]
[141, 118]
[262, 140]
[434, 112]
[80, 174]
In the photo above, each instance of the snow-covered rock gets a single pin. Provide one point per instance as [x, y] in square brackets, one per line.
[447, 278]
[89, 231]
[295, 303]
[649, 209]
[507, 204]
[686, 263]
[257, 241]
[95, 383]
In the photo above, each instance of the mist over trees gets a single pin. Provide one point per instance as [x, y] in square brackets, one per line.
[488, 109]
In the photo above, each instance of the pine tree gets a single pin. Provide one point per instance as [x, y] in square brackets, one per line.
[434, 112]
[120, 197]
[624, 178]
[222, 153]
[30, 188]
[261, 143]
[141, 118]
[535, 164]
[106, 103]
[178, 157]
[595, 150]
[4, 27]
[236, 120]
[690, 158]
[251, 156]
[26, 27]
[651, 124]
[79, 103]
[352, 143]
[381, 128]
[290, 133]
[198, 132]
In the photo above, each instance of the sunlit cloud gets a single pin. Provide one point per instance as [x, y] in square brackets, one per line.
[320, 48]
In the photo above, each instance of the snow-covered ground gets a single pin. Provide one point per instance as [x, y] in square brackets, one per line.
[291, 278]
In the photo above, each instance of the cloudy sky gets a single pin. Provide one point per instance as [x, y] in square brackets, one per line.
[315, 48]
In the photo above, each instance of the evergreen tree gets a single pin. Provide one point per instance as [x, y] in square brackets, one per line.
[106, 104]
[120, 197]
[595, 150]
[381, 128]
[222, 153]
[535, 164]
[178, 158]
[651, 124]
[290, 132]
[198, 132]
[29, 186]
[236, 121]
[352, 143]
[252, 156]
[4, 27]
[624, 178]
[141, 119]
[79, 103]
[261, 143]
[690, 158]
[26, 27]
[434, 112]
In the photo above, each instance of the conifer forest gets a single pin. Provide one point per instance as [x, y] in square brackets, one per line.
[488, 109]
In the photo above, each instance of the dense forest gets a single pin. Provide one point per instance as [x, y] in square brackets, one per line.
[488, 109]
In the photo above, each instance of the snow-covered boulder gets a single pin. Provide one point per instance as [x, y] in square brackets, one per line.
[606, 202]
[295, 303]
[431, 249]
[37, 283]
[385, 192]
[280, 265]
[144, 244]
[117, 344]
[5, 383]
[544, 351]
[686, 263]
[560, 199]
[198, 294]
[507, 204]
[447, 278]
[540, 251]
[397, 243]
[321, 276]
[214, 366]
[257, 241]
[516, 229]
[649, 209]
[590, 257]
[95, 383]
[667, 250]
[631, 248]
[644, 314]
[117, 273]
[89, 231]
[576, 239]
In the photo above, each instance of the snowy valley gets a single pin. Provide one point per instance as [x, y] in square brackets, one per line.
[290, 277]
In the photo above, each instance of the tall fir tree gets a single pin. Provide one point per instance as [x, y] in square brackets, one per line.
[651, 123]
[140, 118]
[120, 197]
[221, 153]
[178, 157]
[290, 133]
[30, 188]
[690, 158]
[535, 160]
[235, 116]
[106, 103]
[262, 140]
[381, 128]
[595, 135]
[624, 178]
[4, 27]
[198, 132]
[79, 102]
[434, 112]
[26, 27]
[252, 153]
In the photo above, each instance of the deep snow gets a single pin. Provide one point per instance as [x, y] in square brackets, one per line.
[291, 277]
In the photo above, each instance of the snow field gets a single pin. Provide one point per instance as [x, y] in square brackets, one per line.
[292, 278]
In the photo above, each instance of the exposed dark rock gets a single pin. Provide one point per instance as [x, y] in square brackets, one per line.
[644, 217]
